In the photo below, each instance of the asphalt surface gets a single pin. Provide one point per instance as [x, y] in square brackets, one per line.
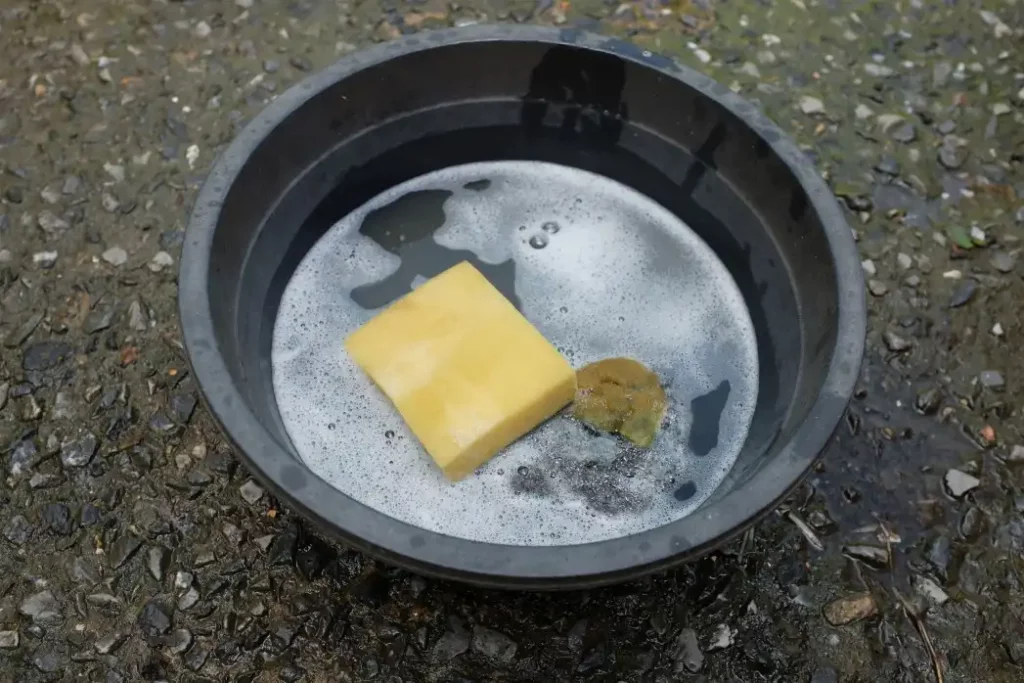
[133, 546]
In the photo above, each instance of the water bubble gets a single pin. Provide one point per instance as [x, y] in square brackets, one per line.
[522, 228]
[523, 470]
[539, 241]
[501, 472]
[564, 309]
[390, 434]
[550, 227]
[331, 426]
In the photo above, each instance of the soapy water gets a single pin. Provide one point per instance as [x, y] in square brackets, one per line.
[601, 271]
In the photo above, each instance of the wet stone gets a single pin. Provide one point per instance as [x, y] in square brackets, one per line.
[991, 379]
[188, 599]
[58, 519]
[282, 549]
[46, 355]
[47, 662]
[41, 607]
[824, 675]
[89, 515]
[963, 293]
[162, 424]
[234, 535]
[154, 619]
[1003, 261]
[22, 455]
[929, 590]
[31, 410]
[79, 452]
[51, 224]
[877, 288]
[9, 640]
[958, 484]
[204, 558]
[811, 105]
[198, 477]
[850, 608]
[952, 156]
[179, 641]
[18, 530]
[39, 480]
[895, 343]
[939, 554]
[685, 652]
[196, 657]
[251, 492]
[115, 256]
[888, 166]
[181, 406]
[84, 570]
[452, 643]
[493, 645]
[109, 643]
[172, 239]
[972, 525]
[123, 549]
[873, 556]
[905, 133]
[137, 319]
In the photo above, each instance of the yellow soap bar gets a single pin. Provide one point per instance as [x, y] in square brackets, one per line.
[468, 373]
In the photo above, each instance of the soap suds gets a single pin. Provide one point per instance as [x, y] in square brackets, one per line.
[601, 271]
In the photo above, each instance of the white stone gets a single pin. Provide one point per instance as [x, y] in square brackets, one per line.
[960, 483]
[811, 105]
[863, 111]
[115, 171]
[869, 267]
[115, 256]
[930, 590]
[160, 261]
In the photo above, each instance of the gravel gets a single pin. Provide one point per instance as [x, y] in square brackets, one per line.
[116, 478]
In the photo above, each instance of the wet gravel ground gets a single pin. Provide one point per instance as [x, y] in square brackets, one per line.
[134, 547]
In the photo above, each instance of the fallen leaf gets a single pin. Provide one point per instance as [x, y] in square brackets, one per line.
[850, 608]
[129, 355]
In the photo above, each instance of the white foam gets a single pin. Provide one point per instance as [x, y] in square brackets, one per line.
[622, 276]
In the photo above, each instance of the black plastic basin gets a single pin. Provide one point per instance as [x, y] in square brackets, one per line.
[391, 113]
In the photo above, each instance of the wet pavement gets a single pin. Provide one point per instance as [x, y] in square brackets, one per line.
[134, 547]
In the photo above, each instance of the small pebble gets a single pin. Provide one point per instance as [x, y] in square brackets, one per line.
[1003, 261]
[160, 261]
[251, 492]
[997, 330]
[115, 256]
[963, 293]
[811, 105]
[877, 287]
[904, 261]
[44, 259]
[895, 343]
[960, 483]
[869, 267]
[991, 379]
